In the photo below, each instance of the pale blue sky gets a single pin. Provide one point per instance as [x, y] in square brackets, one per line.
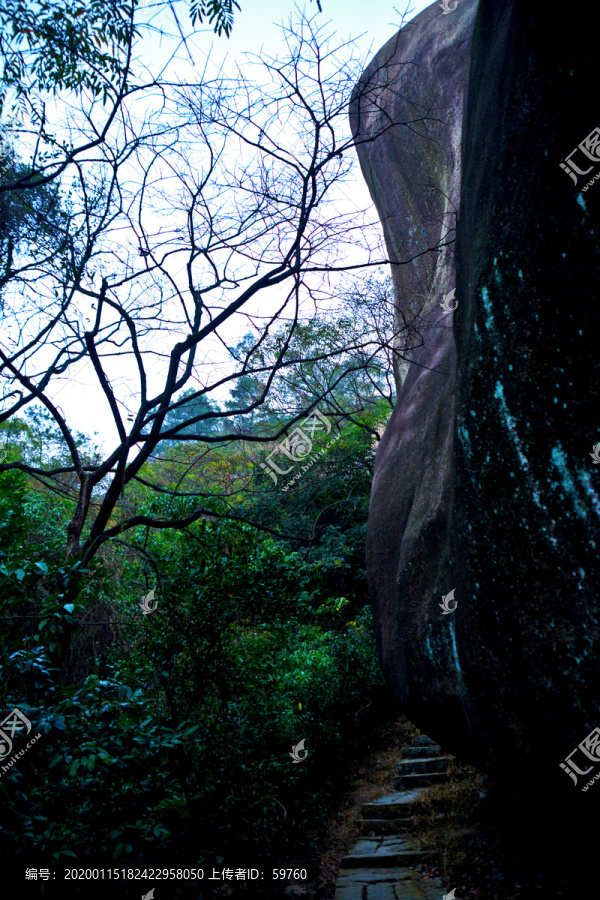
[377, 21]
[256, 24]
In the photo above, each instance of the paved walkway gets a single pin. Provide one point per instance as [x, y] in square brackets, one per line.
[379, 866]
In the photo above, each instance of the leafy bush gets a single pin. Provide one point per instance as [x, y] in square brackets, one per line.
[177, 747]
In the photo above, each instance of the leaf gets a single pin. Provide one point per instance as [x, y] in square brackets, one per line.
[42, 567]
[191, 730]
[69, 607]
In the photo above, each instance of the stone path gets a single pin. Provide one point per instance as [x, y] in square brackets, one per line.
[379, 865]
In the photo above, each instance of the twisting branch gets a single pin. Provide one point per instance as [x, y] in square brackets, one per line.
[226, 213]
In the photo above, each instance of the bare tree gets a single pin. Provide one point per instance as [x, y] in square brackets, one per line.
[202, 211]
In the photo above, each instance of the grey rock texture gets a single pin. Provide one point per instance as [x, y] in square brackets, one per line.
[484, 482]
[406, 117]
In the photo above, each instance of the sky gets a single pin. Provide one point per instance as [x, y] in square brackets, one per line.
[256, 25]
[371, 23]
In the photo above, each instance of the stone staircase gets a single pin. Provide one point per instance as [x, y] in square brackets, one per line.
[379, 865]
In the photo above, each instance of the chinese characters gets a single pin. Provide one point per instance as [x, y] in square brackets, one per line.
[589, 748]
[587, 151]
[296, 446]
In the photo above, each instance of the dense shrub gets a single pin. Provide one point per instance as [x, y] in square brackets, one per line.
[175, 748]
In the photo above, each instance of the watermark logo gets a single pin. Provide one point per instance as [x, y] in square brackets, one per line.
[447, 7]
[13, 724]
[450, 896]
[445, 304]
[595, 455]
[295, 754]
[4, 145]
[589, 150]
[149, 895]
[3, 155]
[590, 748]
[446, 601]
[297, 446]
[146, 604]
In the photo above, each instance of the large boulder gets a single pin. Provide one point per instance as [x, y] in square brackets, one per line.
[484, 482]
[525, 530]
[406, 115]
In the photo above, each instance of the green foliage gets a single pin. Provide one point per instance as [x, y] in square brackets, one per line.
[218, 12]
[37, 439]
[198, 406]
[167, 737]
[36, 584]
[336, 359]
[60, 45]
[188, 718]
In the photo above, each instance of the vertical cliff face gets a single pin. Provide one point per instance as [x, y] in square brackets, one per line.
[526, 518]
[406, 116]
[484, 483]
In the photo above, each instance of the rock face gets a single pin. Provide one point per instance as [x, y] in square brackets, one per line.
[406, 117]
[527, 511]
[484, 482]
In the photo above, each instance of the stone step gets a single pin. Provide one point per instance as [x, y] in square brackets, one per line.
[395, 806]
[428, 764]
[420, 780]
[384, 826]
[391, 883]
[394, 883]
[390, 860]
[422, 741]
[420, 752]
[385, 851]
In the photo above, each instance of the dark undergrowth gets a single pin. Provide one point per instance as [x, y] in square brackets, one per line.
[489, 847]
